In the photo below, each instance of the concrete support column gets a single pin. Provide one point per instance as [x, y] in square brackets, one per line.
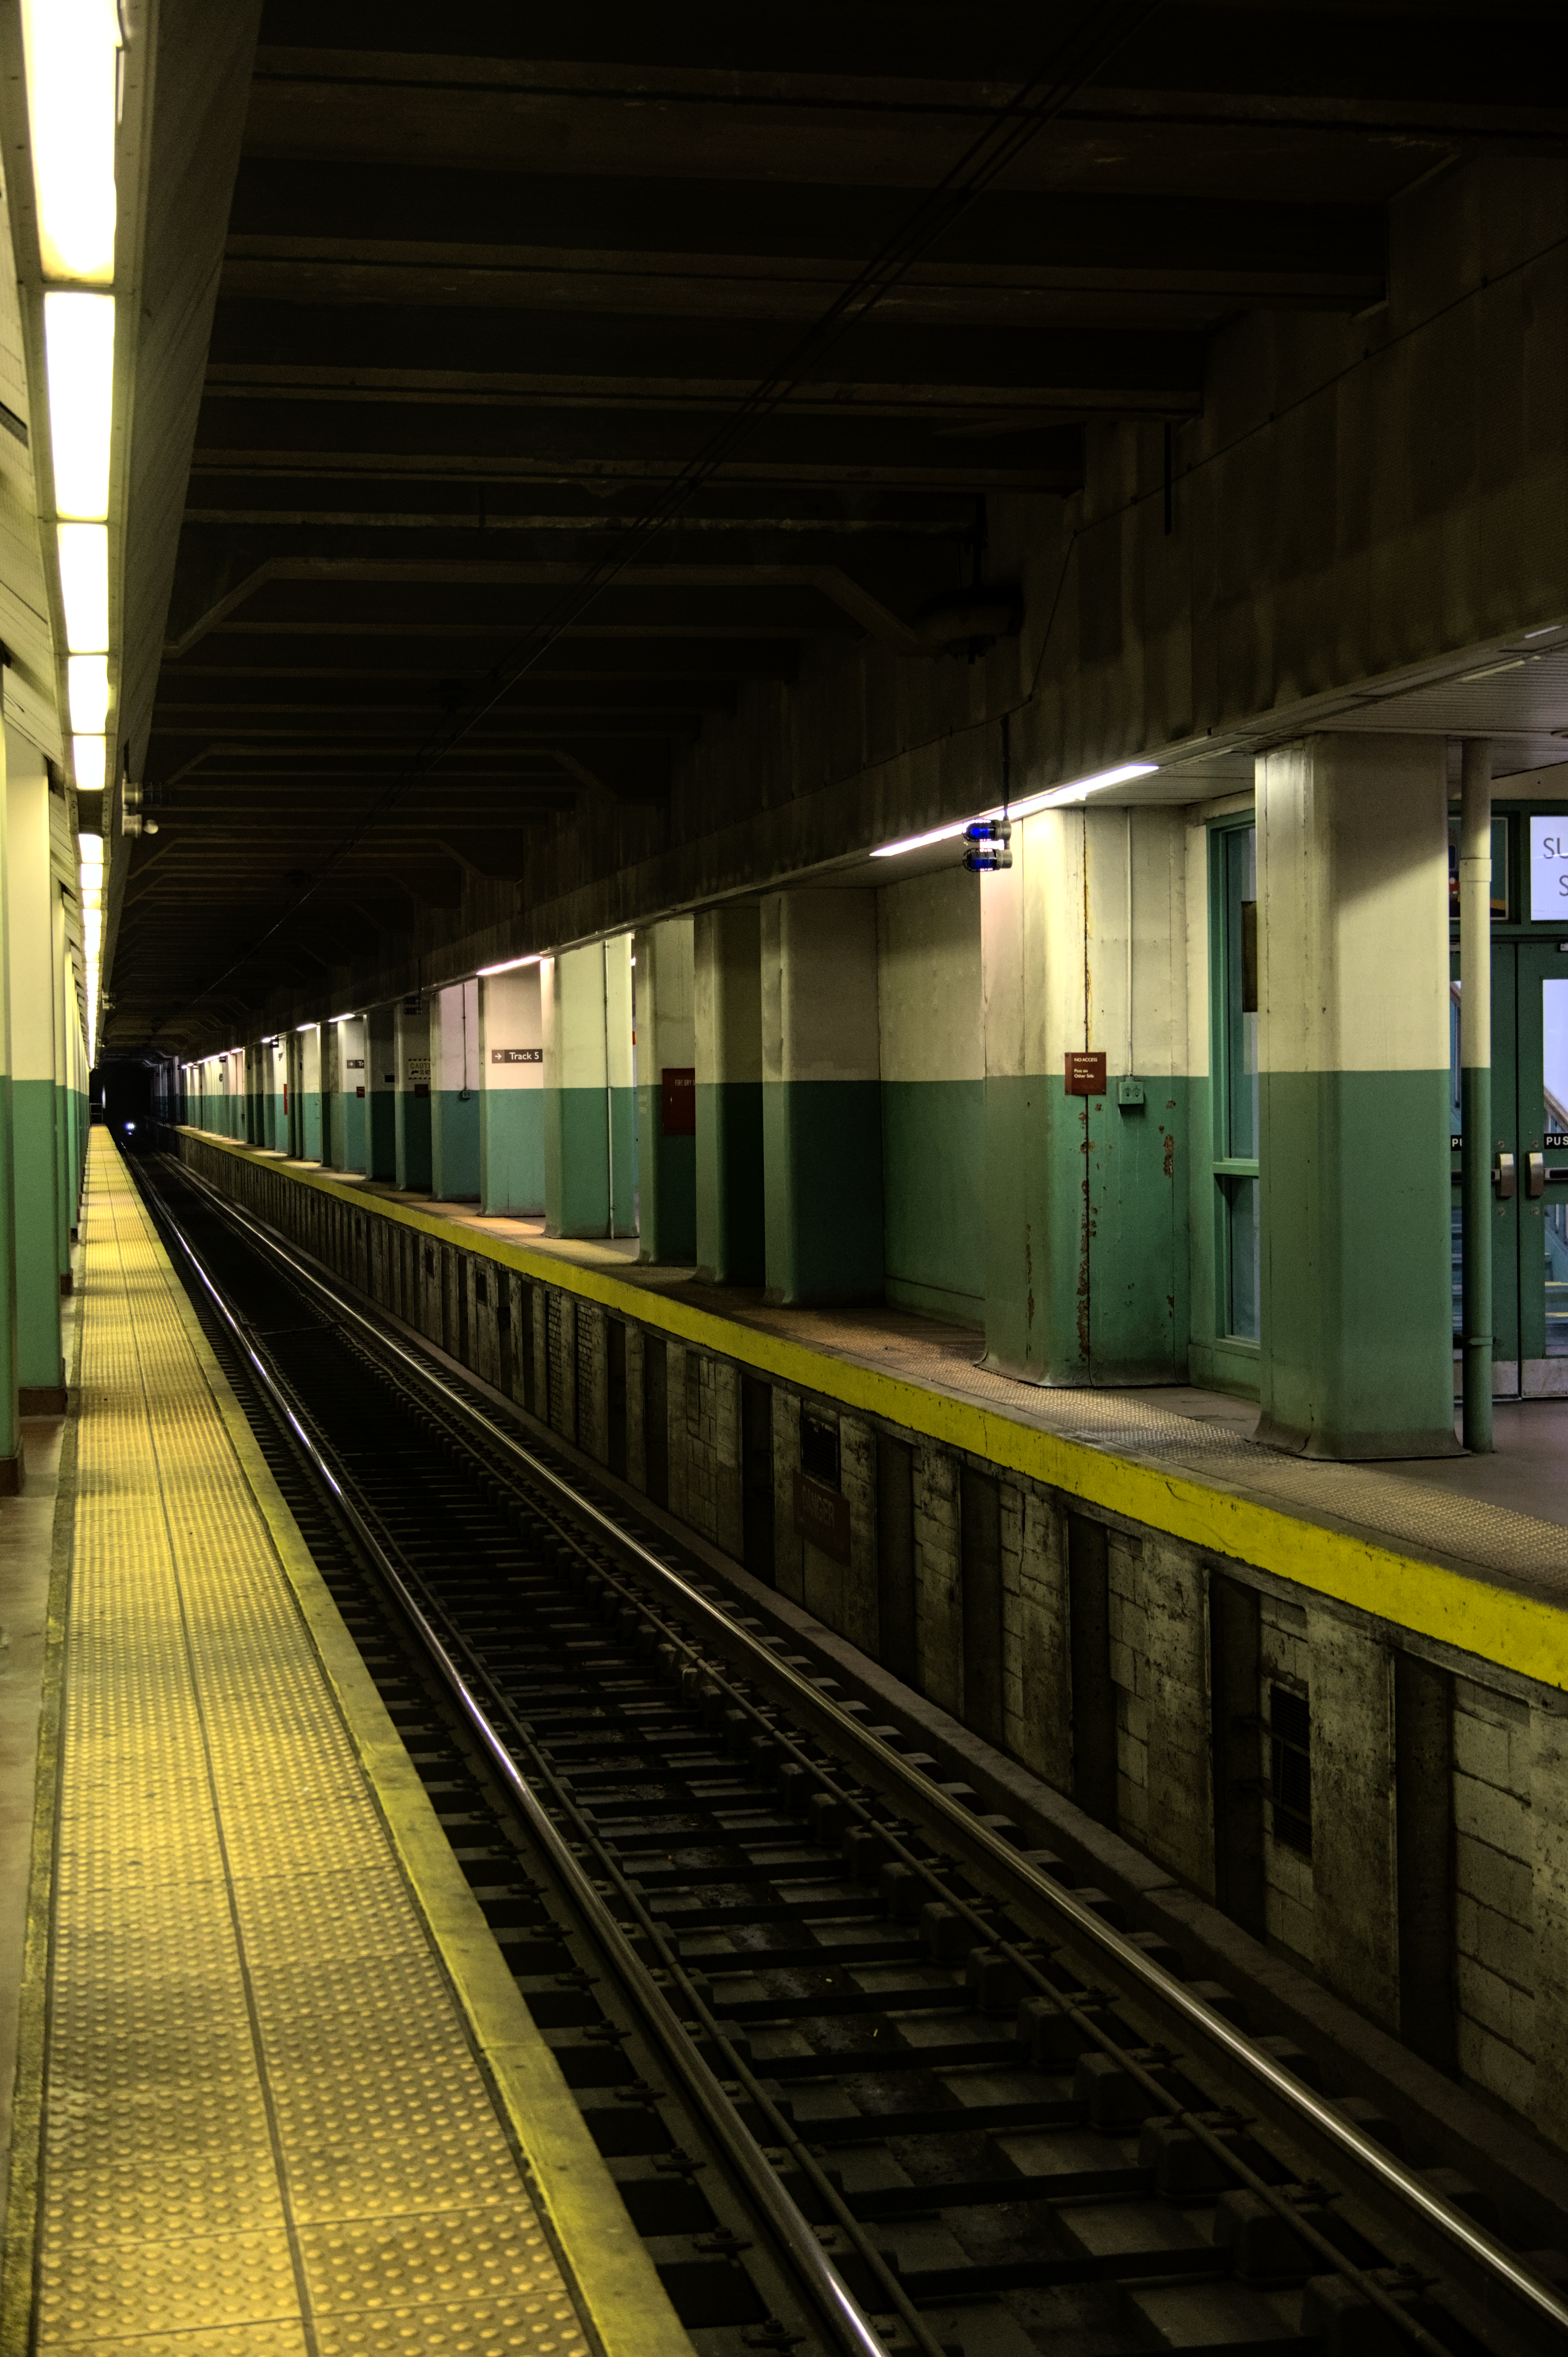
[731, 1237]
[381, 1094]
[277, 1101]
[10, 1430]
[411, 1063]
[666, 1092]
[30, 951]
[65, 1102]
[512, 1099]
[933, 1094]
[822, 1112]
[1476, 1086]
[1033, 1009]
[331, 1097]
[346, 1099]
[590, 1169]
[1083, 955]
[620, 1069]
[455, 1092]
[312, 1141]
[1353, 1097]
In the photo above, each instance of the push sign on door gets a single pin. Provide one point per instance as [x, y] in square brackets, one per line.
[1548, 870]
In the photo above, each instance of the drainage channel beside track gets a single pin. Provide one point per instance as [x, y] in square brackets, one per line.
[871, 2076]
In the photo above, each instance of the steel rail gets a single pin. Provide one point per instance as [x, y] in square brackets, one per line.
[849, 2326]
[1543, 2300]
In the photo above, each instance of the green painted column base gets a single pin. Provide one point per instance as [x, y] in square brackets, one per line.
[667, 1171]
[1358, 1318]
[411, 1119]
[455, 1145]
[730, 1230]
[822, 1143]
[511, 1152]
[577, 1163]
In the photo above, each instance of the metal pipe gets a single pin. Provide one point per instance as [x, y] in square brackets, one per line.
[1475, 1086]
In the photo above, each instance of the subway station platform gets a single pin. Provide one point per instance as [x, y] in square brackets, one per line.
[1470, 1551]
[277, 2091]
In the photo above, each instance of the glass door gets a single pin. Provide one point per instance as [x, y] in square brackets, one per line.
[1529, 1123]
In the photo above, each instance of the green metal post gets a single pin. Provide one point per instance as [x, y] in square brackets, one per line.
[1476, 1086]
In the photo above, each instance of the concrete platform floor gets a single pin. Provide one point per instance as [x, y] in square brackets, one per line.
[1503, 1517]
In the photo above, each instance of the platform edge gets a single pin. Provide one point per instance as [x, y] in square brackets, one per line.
[613, 2282]
[1471, 1610]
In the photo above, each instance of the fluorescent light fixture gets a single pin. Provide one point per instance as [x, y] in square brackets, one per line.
[342, 1018]
[70, 48]
[88, 676]
[920, 841]
[1490, 671]
[1076, 792]
[1079, 790]
[79, 352]
[84, 586]
[307, 1026]
[512, 964]
[89, 755]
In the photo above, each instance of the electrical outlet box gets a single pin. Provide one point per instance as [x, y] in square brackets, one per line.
[1129, 1093]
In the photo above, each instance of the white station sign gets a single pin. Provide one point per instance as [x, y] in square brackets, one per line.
[1548, 871]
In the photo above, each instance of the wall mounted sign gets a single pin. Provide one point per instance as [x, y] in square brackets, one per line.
[822, 1515]
[354, 1063]
[680, 1099]
[1086, 1072]
[1548, 870]
[516, 1055]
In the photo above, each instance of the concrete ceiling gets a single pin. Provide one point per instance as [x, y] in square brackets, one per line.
[489, 284]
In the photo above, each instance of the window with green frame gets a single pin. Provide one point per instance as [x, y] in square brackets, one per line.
[1233, 966]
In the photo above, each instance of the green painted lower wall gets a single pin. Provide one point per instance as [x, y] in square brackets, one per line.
[934, 1189]
[731, 1240]
[411, 1139]
[64, 1115]
[380, 1135]
[667, 1183]
[577, 1163]
[511, 1150]
[624, 1160]
[10, 1430]
[1357, 1354]
[39, 1361]
[1085, 1232]
[822, 1145]
[455, 1144]
[310, 1139]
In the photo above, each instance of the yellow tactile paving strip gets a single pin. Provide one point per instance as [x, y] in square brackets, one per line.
[264, 2128]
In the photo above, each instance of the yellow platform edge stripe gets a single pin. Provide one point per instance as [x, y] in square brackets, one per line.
[1466, 1610]
[613, 2282]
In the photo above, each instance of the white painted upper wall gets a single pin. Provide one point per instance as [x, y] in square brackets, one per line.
[728, 992]
[511, 1023]
[665, 999]
[1353, 924]
[819, 986]
[454, 1037]
[927, 976]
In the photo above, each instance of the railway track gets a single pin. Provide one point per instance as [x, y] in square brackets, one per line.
[871, 2077]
